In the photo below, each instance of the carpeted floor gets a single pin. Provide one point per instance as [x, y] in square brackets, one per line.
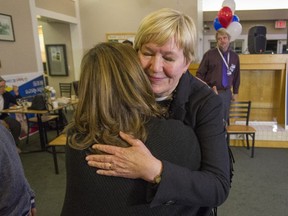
[259, 187]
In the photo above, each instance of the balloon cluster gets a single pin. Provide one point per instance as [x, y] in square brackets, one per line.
[228, 20]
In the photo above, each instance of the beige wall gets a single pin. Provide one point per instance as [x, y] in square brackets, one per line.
[19, 56]
[110, 16]
[66, 7]
[59, 33]
[98, 17]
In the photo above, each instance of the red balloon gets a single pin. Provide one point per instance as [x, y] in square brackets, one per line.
[225, 16]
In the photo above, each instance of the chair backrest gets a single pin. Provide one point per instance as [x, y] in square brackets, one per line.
[65, 89]
[239, 111]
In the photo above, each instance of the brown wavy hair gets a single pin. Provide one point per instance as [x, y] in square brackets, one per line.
[114, 95]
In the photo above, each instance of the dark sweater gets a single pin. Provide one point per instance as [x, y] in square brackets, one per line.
[8, 100]
[90, 194]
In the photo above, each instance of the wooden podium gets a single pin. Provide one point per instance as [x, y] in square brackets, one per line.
[263, 81]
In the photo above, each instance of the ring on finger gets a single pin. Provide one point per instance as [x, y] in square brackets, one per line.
[110, 166]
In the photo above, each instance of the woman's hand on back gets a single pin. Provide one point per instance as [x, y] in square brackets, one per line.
[130, 162]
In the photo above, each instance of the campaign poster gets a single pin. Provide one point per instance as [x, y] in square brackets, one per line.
[29, 84]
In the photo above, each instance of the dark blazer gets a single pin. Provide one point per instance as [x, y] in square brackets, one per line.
[90, 194]
[8, 100]
[197, 105]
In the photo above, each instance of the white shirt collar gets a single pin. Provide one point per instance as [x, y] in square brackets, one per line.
[162, 98]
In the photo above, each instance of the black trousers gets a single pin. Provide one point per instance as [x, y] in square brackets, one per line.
[226, 96]
[14, 127]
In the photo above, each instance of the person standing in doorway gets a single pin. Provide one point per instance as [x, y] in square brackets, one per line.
[220, 69]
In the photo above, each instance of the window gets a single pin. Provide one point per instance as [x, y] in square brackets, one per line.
[271, 46]
[284, 49]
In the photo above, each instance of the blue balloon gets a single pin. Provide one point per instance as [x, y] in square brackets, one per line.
[235, 18]
[217, 24]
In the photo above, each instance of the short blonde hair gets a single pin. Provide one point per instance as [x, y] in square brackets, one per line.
[222, 31]
[160, 26]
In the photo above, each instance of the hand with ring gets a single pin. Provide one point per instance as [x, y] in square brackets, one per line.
[109, 166]
[132, 162]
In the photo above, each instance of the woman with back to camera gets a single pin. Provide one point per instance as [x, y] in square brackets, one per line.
[165, 43]
[115, 95]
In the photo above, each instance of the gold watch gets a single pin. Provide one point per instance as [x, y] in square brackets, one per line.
[157, 179]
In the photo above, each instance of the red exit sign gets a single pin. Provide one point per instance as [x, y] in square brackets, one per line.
[280, 24]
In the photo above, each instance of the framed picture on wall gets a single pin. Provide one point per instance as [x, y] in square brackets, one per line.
[120, 37]
[6, 28]
[56, 59]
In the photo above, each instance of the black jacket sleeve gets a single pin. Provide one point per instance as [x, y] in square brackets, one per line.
[208, 187]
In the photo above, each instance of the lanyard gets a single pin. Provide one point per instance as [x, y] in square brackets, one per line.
[225, 62]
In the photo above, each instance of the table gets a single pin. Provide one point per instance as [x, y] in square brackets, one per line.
[38, 114]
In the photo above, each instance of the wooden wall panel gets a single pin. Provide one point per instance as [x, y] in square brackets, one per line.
[262, 82]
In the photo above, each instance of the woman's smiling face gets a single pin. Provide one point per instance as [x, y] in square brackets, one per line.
[164, 66]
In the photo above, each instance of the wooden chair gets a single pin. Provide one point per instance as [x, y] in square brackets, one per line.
[240, 111]
[45, 119]
[65, 89]
[58, 141]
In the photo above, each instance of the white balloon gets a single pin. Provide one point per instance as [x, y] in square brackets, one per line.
[229, 3]
[234, 29]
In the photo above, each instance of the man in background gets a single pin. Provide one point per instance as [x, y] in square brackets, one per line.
[220, 69]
